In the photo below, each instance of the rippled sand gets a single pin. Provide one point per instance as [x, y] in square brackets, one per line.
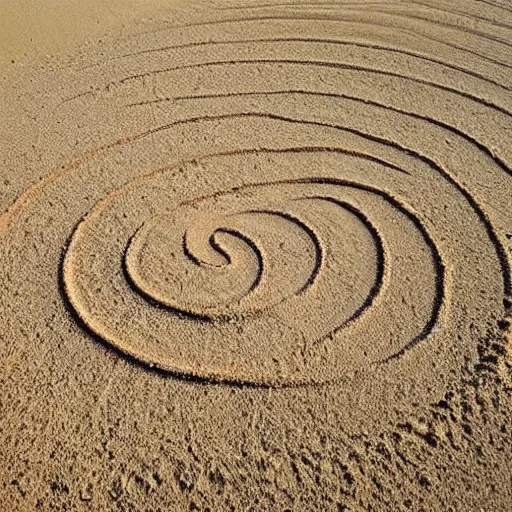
[256, 256]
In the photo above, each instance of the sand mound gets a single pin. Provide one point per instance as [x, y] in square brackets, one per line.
[257, 257]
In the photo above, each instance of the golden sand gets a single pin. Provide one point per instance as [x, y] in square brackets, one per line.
[256, 256]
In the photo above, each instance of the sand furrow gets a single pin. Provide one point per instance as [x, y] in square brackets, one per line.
[256, 256]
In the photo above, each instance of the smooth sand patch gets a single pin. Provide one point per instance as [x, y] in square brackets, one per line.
[30, 29]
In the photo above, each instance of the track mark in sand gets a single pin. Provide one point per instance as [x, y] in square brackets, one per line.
[374, 7]
[495, 5]
[481, 147]
[319, 64]
[313, 41]
[301, 242]
[330, 18]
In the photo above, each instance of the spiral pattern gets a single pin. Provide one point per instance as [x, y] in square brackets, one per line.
[281, 199]
[256, 256]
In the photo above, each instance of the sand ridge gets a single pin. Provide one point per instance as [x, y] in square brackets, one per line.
[257, 258]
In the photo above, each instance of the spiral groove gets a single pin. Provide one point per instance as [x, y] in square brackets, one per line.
[256, 256]
[281, 210]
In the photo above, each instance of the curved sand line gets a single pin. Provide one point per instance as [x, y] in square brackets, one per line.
[238, 214]
[331, 18]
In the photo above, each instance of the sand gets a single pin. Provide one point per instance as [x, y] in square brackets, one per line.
[256, 256]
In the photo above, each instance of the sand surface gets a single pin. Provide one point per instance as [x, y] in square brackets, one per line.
[256, 256]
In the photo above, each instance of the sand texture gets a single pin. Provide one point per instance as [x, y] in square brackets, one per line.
[255, 256]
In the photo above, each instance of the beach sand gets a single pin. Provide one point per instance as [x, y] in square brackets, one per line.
[256, 256]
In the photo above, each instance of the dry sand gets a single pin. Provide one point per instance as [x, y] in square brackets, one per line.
[256, 256]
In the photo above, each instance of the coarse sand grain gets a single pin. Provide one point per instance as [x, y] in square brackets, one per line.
[255, 256]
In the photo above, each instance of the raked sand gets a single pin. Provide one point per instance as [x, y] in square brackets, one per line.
[256, 256]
